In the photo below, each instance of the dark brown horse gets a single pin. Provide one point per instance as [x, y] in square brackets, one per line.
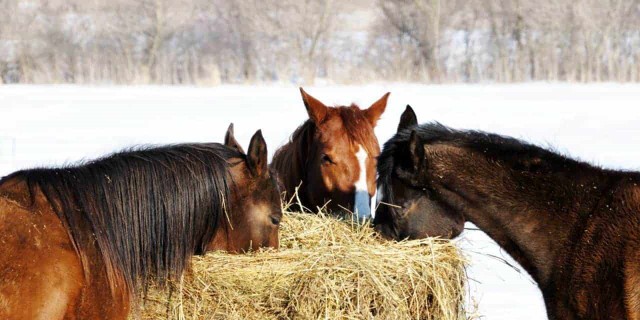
[78, 242]
[332, 157]
[574, 227]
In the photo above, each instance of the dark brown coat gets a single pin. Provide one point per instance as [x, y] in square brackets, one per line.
[573, 226]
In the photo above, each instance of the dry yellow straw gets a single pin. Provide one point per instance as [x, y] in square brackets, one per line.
[325, 269]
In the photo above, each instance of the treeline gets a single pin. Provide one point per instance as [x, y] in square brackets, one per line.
[207, 42]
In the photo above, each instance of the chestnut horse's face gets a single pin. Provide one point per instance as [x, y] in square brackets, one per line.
[255, 201]
[408, 206]
[341, 161]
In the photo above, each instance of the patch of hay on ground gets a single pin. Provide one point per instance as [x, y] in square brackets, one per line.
[325, 269]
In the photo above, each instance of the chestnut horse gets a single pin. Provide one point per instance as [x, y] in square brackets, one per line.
[332, 157]
[78, 242]
[574, 227]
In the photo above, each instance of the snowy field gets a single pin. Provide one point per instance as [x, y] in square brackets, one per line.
[47, 125]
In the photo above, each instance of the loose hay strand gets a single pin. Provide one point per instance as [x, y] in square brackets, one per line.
[326, 268]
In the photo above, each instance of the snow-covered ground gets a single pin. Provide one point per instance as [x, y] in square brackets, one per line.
[600, 123]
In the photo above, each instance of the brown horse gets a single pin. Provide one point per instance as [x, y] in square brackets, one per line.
[78, 242]
[332, 157]
[574, 227]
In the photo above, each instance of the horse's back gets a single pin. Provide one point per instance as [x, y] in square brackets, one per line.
[604, 276]
[40, 273]
[632, 253]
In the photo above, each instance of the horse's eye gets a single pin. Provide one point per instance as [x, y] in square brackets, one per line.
[275, 220]
[326, 159]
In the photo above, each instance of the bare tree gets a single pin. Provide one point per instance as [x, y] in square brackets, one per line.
[238, 41]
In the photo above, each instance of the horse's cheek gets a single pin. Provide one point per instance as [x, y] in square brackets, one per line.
[328, 178]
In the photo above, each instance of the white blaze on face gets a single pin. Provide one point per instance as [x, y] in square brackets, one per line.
[362, 207]
[378, 199]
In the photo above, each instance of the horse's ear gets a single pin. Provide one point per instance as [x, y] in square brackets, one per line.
[416, 151]
[374, 112]
[257, 155]
[230, 140]
[317, 110]
[408, 119]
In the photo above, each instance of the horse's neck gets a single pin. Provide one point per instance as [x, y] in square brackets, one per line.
[290, 160]
[532, 220]
[287, 162]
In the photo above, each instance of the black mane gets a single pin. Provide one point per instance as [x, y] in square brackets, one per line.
[517, 153]
[148, 209]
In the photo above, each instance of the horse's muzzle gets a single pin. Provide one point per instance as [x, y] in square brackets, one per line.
[362, 205]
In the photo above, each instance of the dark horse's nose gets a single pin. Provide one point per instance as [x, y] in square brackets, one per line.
[384, 230]
[383, 224]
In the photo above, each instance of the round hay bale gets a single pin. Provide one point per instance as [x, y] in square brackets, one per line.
[325, 269]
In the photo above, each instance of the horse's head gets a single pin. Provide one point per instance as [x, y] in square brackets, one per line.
[408, 206]
[341, 155]
[256, 210]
